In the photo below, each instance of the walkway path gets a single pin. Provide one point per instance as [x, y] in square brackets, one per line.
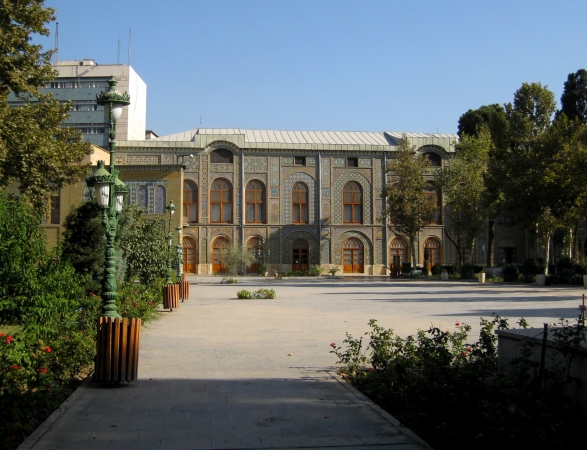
[225, 373]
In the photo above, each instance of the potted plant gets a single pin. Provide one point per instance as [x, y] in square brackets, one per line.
[444, 275]
[263, 269]
[318, 270]
[333, 270]
[481, 276]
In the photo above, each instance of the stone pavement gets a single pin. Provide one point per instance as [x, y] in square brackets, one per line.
[225, 373]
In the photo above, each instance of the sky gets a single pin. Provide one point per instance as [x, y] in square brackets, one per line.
[334, 65]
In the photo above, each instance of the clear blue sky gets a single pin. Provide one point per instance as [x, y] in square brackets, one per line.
[364, 65]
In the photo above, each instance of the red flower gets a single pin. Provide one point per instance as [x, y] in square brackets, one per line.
[150, 303]
[2, 334]
[136, 304]
[9, 339]
[48, 349]
[470, 349]
[464, 353]
[15, 367]
[333, 344]
[43, 370]
[458, 324]
[370, 369]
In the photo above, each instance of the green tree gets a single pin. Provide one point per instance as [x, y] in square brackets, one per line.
[408, 206]
[235, 256]
[144, 245]
[463, 184]
[36, 153]
[574, 98]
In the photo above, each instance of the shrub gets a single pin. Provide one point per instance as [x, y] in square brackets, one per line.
[139, 300]
[318, 270]
[467, 271]
[510, 273]
[529, 269]
[436, 269]
[451, 269]
[264, 293]
[406, 267]
[565, 276]
[227, 280]
[478, 268]
[244, 294]
[564, 263]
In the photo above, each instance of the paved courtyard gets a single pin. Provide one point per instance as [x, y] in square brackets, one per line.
[225, 373]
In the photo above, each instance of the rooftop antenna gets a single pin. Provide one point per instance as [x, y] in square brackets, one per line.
[129, 41]
[118, 56]
[56, 53]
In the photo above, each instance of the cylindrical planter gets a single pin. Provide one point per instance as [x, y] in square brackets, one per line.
[171, 296]
[184, 290]
[444, 276]
[481, 277]
[541, 280]
[117, 349]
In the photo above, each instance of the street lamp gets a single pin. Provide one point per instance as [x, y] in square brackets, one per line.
[110, 193]
[171, 209]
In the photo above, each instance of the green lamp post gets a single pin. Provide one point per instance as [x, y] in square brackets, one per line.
[110, 193]
[171, 209]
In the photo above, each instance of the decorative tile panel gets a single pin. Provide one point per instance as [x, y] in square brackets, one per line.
[255, 164]
[255, 232]
[275, 254]
[325, 193]
[311, 161]
[379, 233]
[225, 167]
[287, 161]
[378, 183]
[142, 159]
[378, 208]
[274, 212]
[228, 176]
[168, 159]
[191, 164]
[256, 176]
[120, 160]
[287, 171]
[151, 185]
[325, 251]
[325, 212]
[325, 233]
[339, 241]
[204, 171]
[339, 162]
[364, 162]
[204, 251]
[325, 177]
[379, 251]
[338, 187]
[312, 243]
[312, 196]
[275, 193]
[274, 171]
[215, 231]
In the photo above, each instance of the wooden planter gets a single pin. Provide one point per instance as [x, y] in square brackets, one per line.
[117, 357]
[184, 290]
[171, 296]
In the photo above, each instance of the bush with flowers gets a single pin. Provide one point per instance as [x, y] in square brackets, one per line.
[452, 394]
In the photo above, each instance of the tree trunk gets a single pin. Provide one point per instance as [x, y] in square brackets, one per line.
[491, 243]
[413, 250]
[547, 255]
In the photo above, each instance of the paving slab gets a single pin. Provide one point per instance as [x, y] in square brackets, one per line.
[219, 372]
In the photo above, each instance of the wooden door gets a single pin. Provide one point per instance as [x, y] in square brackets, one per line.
[353, 256]
[190, 255]
[253, 246]
[432, 251]
[219, 245]
[398, 254]
[300, 256]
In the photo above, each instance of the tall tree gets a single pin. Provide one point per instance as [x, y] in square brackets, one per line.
[408, 206]
[574, 98]
[36, 153]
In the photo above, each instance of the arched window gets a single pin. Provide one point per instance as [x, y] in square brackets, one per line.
[434, 159]
[255, 202]
[398, 254]
[255, 247]
[352, 199]
[221, 156]
[190, 201]
[353, 256]
[432, 251]
[433, 194]
[506, 251]
[221, 201]
[143, 197]
[300, 258]
[221, 243]
[299, 203]
[160, 199]
[190, 255]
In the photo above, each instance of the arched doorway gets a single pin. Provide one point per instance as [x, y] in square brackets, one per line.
[353, 256]
[190, 255]
[300, 255]
[432, 251]
[219, 244]
[254, 246]
[398, 254]
[506, 251]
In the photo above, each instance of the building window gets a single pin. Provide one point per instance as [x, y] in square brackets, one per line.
[55, 203]
[220, 244]
[221, 201]
[143, 197]
[221, 156]
[433, 194]
[299, 161]
[352, 162]
[353, 256]
[190, 255]
[190, 201]
[432, 251]
[255, 202]
[160, 199]
[434, 159]
[398, 254]
[300, 255]
[352, 199]
[299, 203]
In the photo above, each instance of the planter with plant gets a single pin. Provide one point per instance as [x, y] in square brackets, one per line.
[333, 270]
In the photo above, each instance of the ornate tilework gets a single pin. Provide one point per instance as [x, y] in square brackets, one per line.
[275, 212]
[379, 251]
[119, 160]
[287, 171]
[339, 241]
[142, 159]
[325, 180]
[255, 232]
[237, 213]
[191, 164]
[312, 243]
[134, 185]
[256, 176]
[364, 162]
[339, 162]
[378, 208]
[168, 159]
[228, 176]
[325, 233]
[312, 197]
[338, 172]
[379, 233]
[204, 251]
[204, 171]
[275, 193]
[378, 177]
[255, 164]
[275, 254]
[274, 171]
[221, 231]
[203, 269]
[325, 193]
[311, 161]
[325, 251]
[287, 160]
[325, 211]
[338, 187]
[204, 231]
[226, 167]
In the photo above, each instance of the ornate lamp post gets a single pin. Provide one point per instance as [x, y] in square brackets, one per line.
[110, 193]
[171, 209]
